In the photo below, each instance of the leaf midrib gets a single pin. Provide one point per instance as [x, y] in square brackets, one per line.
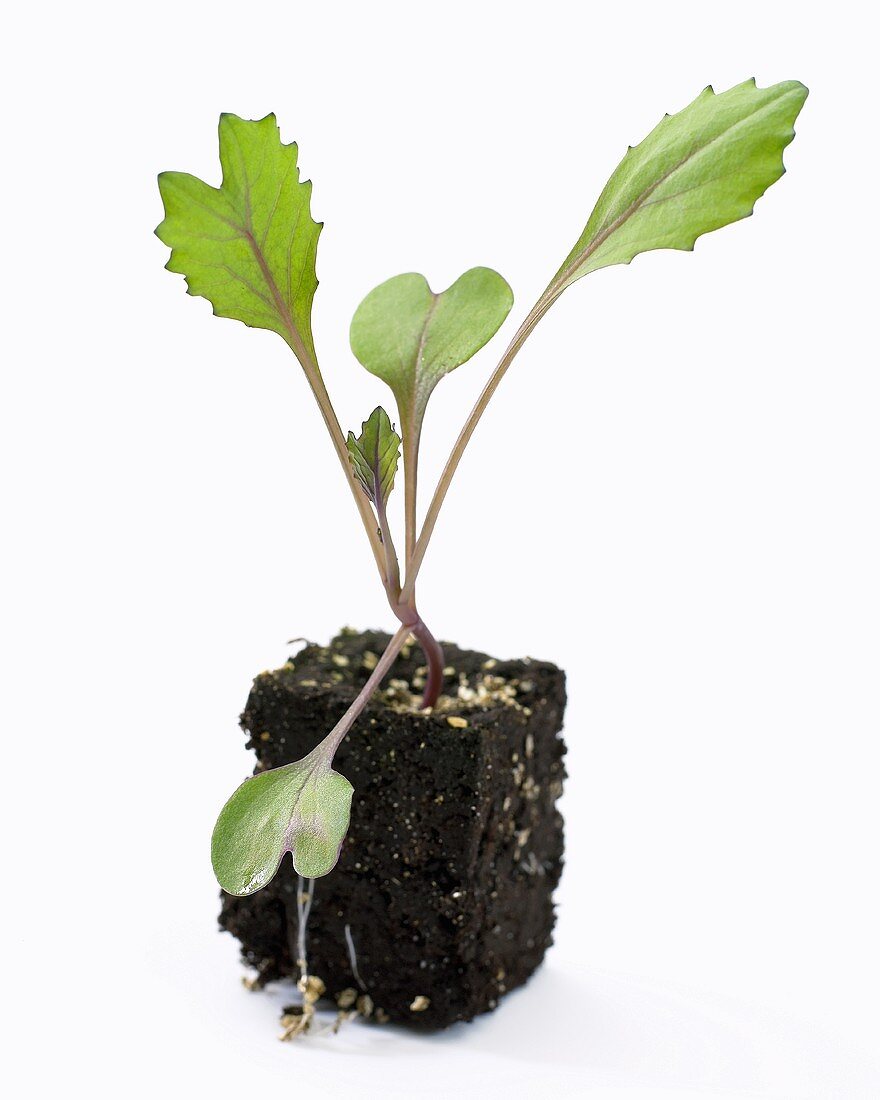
[640, 200]
[420, 353]
[290, 832]
[247, 232]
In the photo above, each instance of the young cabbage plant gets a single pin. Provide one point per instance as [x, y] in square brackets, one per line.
[249, 247]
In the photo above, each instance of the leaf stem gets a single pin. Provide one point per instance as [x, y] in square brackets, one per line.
[333, 740]
[392, 567]
[316, 381]
[410, 483]
[434, 656]
[414, 560]
[309, 363]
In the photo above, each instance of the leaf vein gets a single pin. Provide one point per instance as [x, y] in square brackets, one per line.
[608, 229]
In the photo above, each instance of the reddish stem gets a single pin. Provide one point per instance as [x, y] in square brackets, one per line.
[434, 656]
[334, 738]
[409, 617]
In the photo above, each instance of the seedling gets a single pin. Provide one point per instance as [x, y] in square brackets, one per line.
[249, 247]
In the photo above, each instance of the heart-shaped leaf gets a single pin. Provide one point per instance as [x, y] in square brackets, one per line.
[248, 246]
[411, 337]
[374, 455]
[696, 171]
[302, 808]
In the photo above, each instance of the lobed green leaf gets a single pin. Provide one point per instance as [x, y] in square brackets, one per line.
[248, 246]
[697, 171]
[302, 808]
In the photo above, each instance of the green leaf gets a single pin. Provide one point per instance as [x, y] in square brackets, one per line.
[301, 808]
[411, 337]
[374, 455]
[248, 246]
[696, 171]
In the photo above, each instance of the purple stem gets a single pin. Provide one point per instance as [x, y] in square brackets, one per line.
[434, 656]
[334, 738]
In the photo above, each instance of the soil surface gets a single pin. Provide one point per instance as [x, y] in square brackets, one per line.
[443, 890]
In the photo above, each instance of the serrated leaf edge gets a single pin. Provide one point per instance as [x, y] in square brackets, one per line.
[568, 271]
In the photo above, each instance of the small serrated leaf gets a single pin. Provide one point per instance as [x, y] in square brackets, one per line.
[302, 808]
[374, 456]
[411, 337]
[697, 171]
[248, 246]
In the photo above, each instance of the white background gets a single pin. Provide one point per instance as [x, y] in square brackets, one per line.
[674, 496]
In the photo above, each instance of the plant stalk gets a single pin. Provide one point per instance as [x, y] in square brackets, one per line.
[392, 568]
[410, 482]
[433, 652]
[334, 738]
[414, 561]
[316, 382]
[309, 363]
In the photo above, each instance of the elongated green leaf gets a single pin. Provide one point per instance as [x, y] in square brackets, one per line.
[696, 171]
[301, 808]
[411, 337]
[374, 456]
[248, 246]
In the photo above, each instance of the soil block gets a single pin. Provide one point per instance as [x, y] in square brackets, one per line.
[444, 887]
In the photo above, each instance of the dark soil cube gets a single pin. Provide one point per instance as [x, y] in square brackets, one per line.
[446, 878]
